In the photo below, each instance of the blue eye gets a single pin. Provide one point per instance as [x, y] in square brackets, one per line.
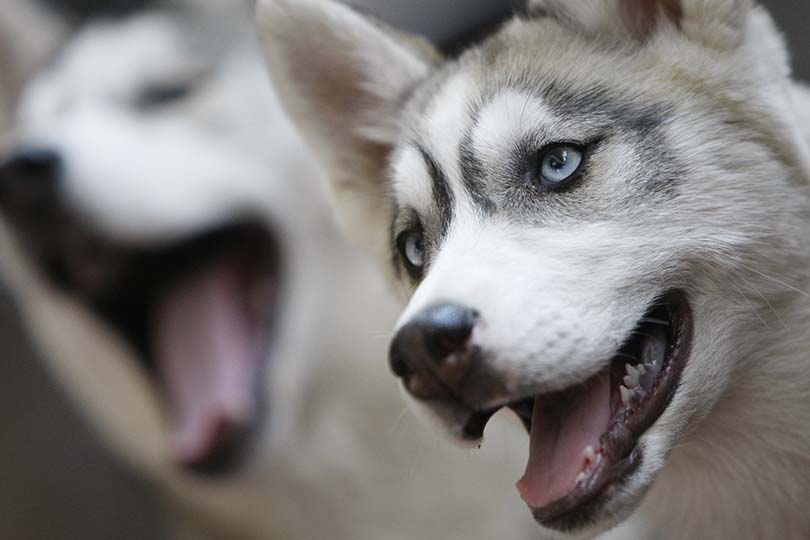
[412, 248]
[558, 165]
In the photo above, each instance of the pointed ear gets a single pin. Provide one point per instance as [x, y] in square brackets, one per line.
[344, 80]
[713, 23]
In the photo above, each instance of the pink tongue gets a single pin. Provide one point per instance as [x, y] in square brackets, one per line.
[206, 351]
[558, 440]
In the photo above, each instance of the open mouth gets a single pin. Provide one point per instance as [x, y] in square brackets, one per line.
[198, 313]
[583, 441]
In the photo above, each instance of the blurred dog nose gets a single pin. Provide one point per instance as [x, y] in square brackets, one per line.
[29, 176]
[432, 352]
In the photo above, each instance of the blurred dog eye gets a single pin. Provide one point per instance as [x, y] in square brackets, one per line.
[558, 165]
[412, 248]
[160, 95]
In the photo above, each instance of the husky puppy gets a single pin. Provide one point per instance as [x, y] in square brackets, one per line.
[599, 218]
[169, 241]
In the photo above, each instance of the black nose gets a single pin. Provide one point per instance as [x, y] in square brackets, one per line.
[29, 177]
[432, 352]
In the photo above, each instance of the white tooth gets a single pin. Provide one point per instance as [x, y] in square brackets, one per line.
[625, 395]
[631, 370]
[581, 477]
[631, 381]
[641, 369]
[590, 454]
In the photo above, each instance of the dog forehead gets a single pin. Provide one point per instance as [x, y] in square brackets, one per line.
[125, 52]
[439, 116]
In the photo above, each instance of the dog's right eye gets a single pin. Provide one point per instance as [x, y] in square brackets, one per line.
[412, 248]
[161, 95]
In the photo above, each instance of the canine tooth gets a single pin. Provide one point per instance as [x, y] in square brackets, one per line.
[625, 394]
[590, 454]
[641, 368]
[581, 477]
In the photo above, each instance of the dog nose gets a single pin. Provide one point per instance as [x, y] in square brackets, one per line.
[432, 352]
[29, 176]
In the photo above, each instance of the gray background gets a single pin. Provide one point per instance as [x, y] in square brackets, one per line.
[55, 481]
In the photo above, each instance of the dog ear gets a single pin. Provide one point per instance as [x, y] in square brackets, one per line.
[713, 23]
[344, 78]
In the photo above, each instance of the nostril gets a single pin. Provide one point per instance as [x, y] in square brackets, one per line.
[448, 329]
[30, 175]
[33, 161]
[399, 366]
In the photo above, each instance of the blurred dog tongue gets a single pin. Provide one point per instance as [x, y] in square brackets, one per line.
[206, 352]
[562, 428]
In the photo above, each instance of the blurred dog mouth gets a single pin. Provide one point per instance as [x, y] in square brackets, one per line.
[584, 440]
[198, 313]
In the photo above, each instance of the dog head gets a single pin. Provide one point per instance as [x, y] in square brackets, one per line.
[166, 224]
[588, 214]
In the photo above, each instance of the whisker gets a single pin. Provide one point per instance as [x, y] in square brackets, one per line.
[770, 306]
[748, 301]
[398, 420]
[775, 280]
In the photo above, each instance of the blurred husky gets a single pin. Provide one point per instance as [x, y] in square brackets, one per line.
[169, 242]
[599, 217]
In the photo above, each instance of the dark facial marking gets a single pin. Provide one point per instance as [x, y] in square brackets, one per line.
[600, 104]
[441, 191]
[472, 174]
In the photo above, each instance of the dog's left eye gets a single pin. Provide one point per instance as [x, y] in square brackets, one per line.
[558, 165]
[412, 248]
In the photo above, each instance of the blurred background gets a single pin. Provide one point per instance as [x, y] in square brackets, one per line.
[56, 481]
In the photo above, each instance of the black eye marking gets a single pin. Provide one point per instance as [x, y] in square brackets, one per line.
[442, 194]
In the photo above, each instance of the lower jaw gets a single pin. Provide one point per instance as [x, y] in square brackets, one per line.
[572, 513]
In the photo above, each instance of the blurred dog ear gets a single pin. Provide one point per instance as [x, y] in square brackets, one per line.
[713, 23]
[344, 80]
[29, 34]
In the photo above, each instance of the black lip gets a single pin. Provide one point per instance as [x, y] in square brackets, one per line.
[622, 456]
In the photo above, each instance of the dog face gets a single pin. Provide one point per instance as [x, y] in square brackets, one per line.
[590, 214]
[166, 260]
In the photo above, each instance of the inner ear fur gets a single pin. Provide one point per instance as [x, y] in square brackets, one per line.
[344, 79]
